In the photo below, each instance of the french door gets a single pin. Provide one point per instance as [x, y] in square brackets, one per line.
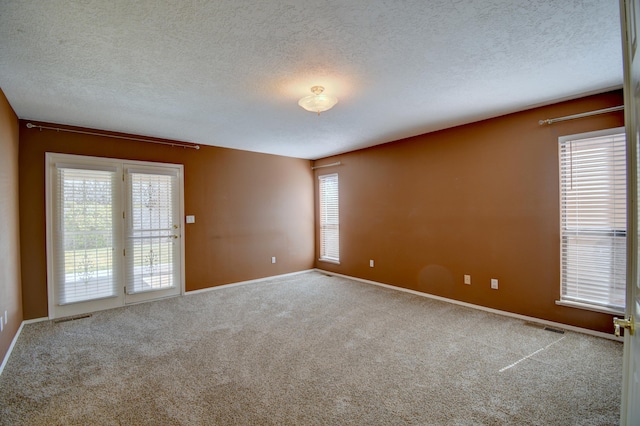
[152, 226]
[113, 233]
[630, 19]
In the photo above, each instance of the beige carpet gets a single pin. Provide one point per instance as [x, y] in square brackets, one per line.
[304, 350]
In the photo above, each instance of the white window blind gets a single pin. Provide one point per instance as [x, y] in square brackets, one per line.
[329, 218]
[84, 237]
[593, 219]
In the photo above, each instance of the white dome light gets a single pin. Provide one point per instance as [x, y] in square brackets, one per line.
[318, 102]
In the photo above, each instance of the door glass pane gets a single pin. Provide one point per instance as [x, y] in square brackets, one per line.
[85, 221]
[152, 247]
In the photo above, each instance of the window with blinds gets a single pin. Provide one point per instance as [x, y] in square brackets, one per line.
[329, 218]
[593, 203]
[84, 264]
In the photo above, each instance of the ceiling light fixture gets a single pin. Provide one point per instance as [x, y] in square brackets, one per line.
[318, 102]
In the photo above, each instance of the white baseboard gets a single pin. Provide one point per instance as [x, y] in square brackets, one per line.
[15, 339]
[13, 343]
[258, 280]
[483, 308]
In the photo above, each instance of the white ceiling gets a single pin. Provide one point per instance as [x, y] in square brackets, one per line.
[230, 72]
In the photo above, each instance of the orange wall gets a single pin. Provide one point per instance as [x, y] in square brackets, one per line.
[10, 291]
[248, 207]
[480, 199]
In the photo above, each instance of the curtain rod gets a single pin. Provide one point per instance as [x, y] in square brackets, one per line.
[581, 115]
[326, 165]
[58, 129]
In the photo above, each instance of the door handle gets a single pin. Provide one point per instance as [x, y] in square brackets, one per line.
[627, 323]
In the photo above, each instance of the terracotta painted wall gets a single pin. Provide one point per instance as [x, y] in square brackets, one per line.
[248, 207]
[480, 199]
[10, 290]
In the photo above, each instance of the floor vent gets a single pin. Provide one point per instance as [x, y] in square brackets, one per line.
[554, 330]
[76, 317]
[544, 327]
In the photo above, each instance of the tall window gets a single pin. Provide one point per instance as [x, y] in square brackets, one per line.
[593, 220]
[329, 218]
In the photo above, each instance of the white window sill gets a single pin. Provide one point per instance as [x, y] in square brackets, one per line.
[334, 261]
[588, 307]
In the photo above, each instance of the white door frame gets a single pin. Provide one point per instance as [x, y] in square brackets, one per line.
[91, 306]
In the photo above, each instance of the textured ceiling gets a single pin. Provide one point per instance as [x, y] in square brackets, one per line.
[230, 72]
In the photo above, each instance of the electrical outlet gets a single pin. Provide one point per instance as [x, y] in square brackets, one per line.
[371, 263]
[273, 259]
[494, 283]
[467, 279]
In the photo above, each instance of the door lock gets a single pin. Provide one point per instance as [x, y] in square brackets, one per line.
[627, 323]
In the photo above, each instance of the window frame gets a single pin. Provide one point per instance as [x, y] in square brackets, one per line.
[573, 301]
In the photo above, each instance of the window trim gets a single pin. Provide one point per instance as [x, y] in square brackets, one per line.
[322, 178]
[588, 307]
[573, 303]
[327, 260]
